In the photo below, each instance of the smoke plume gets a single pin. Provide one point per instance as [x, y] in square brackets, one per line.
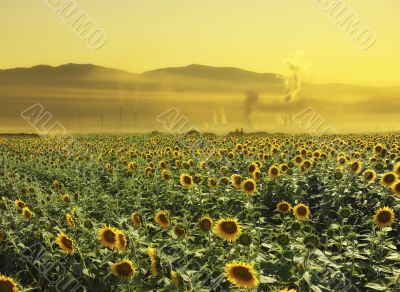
[294, 68]
[249, 103]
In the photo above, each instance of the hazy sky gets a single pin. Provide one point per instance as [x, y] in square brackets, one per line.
[255, 35]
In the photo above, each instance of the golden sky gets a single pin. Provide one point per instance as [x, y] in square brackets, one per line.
[254, 35]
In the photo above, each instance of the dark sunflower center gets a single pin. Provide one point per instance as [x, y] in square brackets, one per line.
[252, 168]
[66, 242]
[302, 211]
[206, 224]
[397, 187]
[109, 236]
[307, 164]
[163, 218]
[274, 171]
[249, 186]
[124, 269]
[187, 180]
[389, 178]
[229, 227]
[384, 217]
[368, 175]
[284, 207]
[242, 273]
[354, 167]
[6, 286]
[238, 180]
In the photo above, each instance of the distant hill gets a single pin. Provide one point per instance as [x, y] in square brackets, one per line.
[214, 73]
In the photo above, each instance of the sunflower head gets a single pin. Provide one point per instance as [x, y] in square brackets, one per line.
[153, 260]
[384, 217]
[66, 198]
[186, 180]
[301, 212]
[179, 232]
[121, 240]
[70, 220]
[124, 269]
[136, 220]
[273, 171]
[27, 213]
[228, 229]
[212, 183]
[162, 219]
[108, 236]
[369, 175]
[355, 166]
[283, 239]
[242, 275]
[396, 168]
[19, 204]
[7, 284]
[396, 187]
[388, 179]
[175, 279]
[205, 223]
[65, 243]
[249, 186]
[283, 207]
[236, 180]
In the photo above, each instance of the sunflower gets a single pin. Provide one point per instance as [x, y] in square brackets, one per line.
[301, 212]
[153, 260]
[27, 213]
[186, 180]
[273, 171]
[121, 240]
[70, 220]
[108, 236]
[65, 243]
[7, 284]
[136, 220]
[56, 184]
[241, 275]
[396, 168]
[355, 166]
[388, 179]
[283, 207]
[253, 167]
[175, 279]
[179, 232]
[19, 204]
[369, 175]
[384, 217]
[287, 290]
[257, 175]
[396, 187]
[212, 183]
[162, 219]
[224, 180]
[124, 269]
[66, 198]
[205, 223]
[236, 180]
[132, 166]
[228, 229]
[249, 186]
[165, 174]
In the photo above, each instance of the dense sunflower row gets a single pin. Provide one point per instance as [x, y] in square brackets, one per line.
[202, 213]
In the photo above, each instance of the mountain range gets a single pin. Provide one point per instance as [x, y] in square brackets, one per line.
[212, 97]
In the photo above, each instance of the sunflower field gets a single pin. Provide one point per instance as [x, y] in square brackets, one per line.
[158, 212]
